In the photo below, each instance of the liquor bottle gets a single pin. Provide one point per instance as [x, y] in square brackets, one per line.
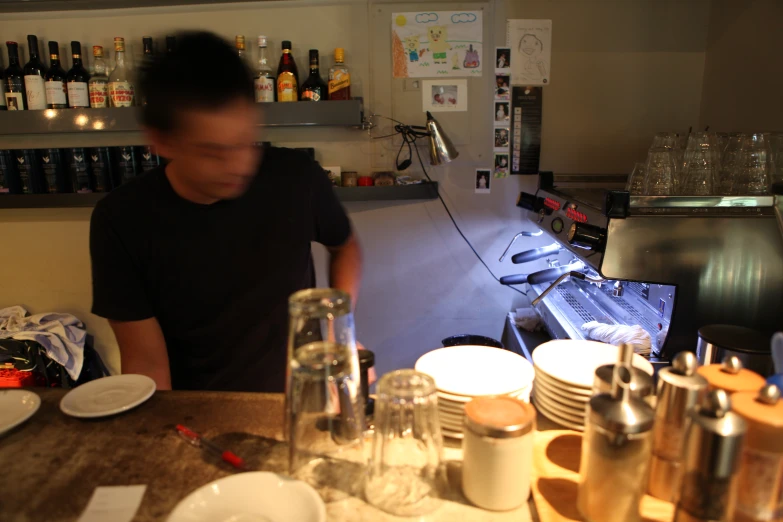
[2, 91]
[171, 44]
[15, 95]
[9, 177]
[101, 169]
[240, 44]
[53, 168]
[79, 177]
[146, 59]
[314, 88]
[287, 76]
[56, 91]
[127, 164]
[99, 83]
[149, 159]
[78, 80]
[339, 77]
[28, 165]
[265, 77]
[121, 91]
[34, 72]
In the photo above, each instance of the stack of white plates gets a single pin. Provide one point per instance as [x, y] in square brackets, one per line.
[564, 377]
[464, 372]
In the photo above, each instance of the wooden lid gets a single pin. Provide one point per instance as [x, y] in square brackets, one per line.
[760, 406]
[740, 379]
[500, 417]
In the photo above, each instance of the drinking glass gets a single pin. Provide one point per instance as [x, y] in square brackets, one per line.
[664, 139]
[752, 170]
[324, 401]
[726, 183]
[636, 180]
[776, 163]
[659, 172]
[699, 170]
[405, 476]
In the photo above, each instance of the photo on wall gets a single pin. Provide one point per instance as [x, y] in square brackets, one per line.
[502, 89]
[483, 178]
[501, 112]
[444, 95]
[503, 60]
[501, 139]
[501, 165]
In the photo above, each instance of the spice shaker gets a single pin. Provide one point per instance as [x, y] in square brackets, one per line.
[497, 452]
[680, 389]
[641, 382]
[615, 453]
[708, 490]
[760, 488]
[731, 376]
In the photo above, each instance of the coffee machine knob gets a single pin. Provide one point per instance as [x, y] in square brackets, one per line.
[587, 236]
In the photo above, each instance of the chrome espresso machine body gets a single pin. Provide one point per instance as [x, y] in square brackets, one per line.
[670, 264]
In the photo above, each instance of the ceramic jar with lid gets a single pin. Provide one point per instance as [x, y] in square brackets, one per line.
[731, 376]
[760, 490]
[498, 452]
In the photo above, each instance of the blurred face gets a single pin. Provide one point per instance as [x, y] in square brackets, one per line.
[212, 151]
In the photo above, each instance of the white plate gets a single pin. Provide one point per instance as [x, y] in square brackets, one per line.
[257, 496]
[464, 399]
[107, 396]
[574, 362]
[476, 370]
[549, 414]
[576, 415]
[575, 391]
[560, 395]
[452, 434]
[16, 406]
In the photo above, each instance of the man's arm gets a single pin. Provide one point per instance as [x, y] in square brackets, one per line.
[345, 267]
[143, 350]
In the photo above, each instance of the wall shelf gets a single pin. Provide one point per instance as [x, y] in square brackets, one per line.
[348, 113]
[399, 192]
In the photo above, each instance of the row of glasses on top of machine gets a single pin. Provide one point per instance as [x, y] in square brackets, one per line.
[709, 164]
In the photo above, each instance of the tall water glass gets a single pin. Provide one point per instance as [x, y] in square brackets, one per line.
[635, 183]
[664, 139]
[752, 172]
[726, 183]
[776, 163]
[405, 476]
[324, 401]
[699, 169]
[659, 172]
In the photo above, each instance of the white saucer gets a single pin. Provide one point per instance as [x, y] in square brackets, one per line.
[257, 496]
[464, 399]
[549, 414]
[107, 396]
[576, 415]
[452, 434]
[476, 370]
[16, 406]
[574, 362]
[562, 386]
[559, 395]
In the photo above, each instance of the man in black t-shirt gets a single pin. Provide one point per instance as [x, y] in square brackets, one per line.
[193, 263]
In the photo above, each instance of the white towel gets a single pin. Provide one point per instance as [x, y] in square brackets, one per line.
[61, 335]
[526, 318]
[618, 334]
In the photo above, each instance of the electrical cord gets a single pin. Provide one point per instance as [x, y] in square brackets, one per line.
[409, 136]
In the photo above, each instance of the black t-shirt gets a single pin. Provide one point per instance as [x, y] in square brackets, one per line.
[217, 277]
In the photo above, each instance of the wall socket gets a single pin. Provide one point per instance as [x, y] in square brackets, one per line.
[411, 84]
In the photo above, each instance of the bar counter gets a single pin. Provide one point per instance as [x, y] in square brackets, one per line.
[52, 463]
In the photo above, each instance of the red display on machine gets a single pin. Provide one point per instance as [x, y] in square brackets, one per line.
[551, 203]
[577, 216]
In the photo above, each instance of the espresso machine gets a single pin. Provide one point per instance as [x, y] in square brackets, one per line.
[670, 264]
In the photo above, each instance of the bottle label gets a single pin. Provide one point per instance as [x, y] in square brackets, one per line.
[99, 95]
[121, 94]
[6, 172]
[126, 162]
[100, 173]
[78, 94]
[24, 168]
[79, 175]
[286, 88]
[55, 92]
[15, 101]
[36, 94]
[149, 160]
[50, 164]
[265, 89]
[311, 95]
[341, 80]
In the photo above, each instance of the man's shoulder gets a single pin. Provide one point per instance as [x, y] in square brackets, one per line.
[132, 198]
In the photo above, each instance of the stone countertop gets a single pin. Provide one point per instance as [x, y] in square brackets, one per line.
[52, 463]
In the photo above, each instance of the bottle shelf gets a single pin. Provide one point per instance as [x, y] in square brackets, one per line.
[348, 113]
[422, 191]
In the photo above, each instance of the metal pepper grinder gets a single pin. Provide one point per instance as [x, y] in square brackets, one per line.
[680, 389]
[713, 444]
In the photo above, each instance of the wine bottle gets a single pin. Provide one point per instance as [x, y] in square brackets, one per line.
[149, 159]
[9, 177]
[287, 76]
[53, 168]
[265, 77]
[171, 44]
[121, 91]
[127, 164]
[34, 73]
[15, 95]
[28, 165]
[240, 45]
[78, 79]
[56, 91]
[314, 88]
[79, 177]
[2, 91]
[339, 77]
[101, 169]
[99, 82]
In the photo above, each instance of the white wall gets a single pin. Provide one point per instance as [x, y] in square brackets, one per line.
[621, 71]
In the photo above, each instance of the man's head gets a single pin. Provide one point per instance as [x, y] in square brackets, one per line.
[200, 115]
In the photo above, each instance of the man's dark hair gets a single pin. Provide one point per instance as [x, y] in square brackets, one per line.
[203, 72]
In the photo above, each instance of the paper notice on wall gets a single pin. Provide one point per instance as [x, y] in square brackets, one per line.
[434, 44]
[526, 104]
[531, 51]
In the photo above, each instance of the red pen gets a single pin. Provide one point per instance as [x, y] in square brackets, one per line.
[200, 442]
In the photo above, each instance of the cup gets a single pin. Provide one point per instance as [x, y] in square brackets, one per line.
[659, 172]
[324, 401]
[752, 169]
[726, 182]
[700, 168]
[405, 475]
[636, 180]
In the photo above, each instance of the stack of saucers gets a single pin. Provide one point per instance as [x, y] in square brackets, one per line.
[464, 372]
[565, 371]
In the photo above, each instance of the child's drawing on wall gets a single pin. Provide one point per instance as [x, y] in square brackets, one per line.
[532, 48]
